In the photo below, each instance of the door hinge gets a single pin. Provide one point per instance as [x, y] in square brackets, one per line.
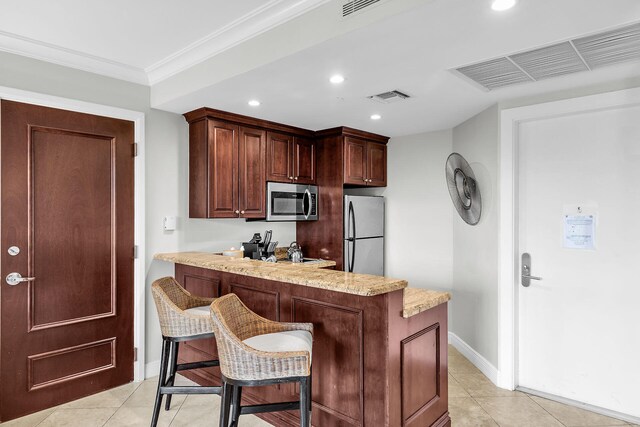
[135, 252]
[135, 149]
[135, 354]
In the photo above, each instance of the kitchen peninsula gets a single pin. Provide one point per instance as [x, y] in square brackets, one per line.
[380, 348]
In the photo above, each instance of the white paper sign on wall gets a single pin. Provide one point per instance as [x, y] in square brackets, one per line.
[579, 231]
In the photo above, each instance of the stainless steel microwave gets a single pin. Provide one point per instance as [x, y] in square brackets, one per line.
[292, 202]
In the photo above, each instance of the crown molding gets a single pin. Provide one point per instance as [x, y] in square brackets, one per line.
[265, 18]
[24, 46]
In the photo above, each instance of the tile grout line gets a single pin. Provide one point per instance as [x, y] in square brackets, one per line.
[543, 408]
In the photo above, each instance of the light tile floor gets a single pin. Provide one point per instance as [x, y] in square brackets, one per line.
[473, 401]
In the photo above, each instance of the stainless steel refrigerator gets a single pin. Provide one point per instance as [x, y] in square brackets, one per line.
[364, 234]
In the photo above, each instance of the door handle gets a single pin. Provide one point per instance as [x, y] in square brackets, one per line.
[16, 278]
[525, 275]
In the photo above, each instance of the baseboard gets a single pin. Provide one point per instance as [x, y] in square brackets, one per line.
[582, 405]
[474, 357]
[152, 369]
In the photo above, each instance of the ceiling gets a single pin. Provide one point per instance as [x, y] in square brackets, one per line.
[187, 56]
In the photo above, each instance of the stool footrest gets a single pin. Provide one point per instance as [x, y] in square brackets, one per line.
[269, 407]
[197, 365]
[190, 390]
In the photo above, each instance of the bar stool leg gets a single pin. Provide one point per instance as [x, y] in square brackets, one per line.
[164, 361]
[227, 390]
[304, 402]
[172, 371]
[235, 410]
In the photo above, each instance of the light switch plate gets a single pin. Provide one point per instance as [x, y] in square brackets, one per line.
[169, 223]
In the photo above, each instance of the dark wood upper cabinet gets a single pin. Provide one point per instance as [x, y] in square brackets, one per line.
[222, 169]
[279, 154]
[355, 161]
[231, 158]
[365, 163]
[226, 170]
[291, 159]
[304, 160]
[252, 173]
[376, 164]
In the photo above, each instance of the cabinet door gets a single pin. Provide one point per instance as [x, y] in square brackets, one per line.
[376, 164]
[206, 283]
[279, 154]
[223, 170]
[252, 173]
[355, 160]
[304, 161]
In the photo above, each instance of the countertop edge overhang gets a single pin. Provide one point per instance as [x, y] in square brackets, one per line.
[314, 275]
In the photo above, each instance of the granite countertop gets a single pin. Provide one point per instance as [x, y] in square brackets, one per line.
[306, 274]
[314, 274]
[417, 300]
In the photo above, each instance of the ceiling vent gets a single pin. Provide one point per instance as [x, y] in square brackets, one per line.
[355, 5]
[573, 56]
[389, 97]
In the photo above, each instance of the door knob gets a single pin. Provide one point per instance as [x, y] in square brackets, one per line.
[16, 278]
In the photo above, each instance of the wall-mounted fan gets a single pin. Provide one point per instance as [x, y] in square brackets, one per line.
[463, 188]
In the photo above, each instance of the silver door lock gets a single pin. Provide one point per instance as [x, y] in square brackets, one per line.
[16, 278]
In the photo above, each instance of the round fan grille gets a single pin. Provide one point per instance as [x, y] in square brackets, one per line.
[463, 188]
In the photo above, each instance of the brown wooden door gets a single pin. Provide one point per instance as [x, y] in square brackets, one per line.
[279, 155]
[355, 161]
[67, 204]
[223, 170]
[376, 164]
[304, 161]
[252, 173]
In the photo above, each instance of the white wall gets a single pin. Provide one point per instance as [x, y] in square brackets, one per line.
[418, 244]
[166, 169]
[474, 318]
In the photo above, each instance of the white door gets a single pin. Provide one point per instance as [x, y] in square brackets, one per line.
[579, 327]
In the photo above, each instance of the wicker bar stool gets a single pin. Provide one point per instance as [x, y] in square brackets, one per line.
[255, 351]
[183, 317]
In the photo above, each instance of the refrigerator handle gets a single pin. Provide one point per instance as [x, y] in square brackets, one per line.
[352, 220]
[351, 255]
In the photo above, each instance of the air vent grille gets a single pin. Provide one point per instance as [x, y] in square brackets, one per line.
[495, 74]
[611, 47]
[574, 56]
[389, 97]
[550, 61]
[355, 5]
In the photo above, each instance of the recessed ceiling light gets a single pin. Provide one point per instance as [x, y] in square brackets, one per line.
[376, 117]
[254, 103]
[336, 79]
[500, 5]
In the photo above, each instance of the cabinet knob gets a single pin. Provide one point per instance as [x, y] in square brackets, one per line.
[295, 178]
[290, 177]
[369, 180]
[237, 212]
[364, 179]
[242, 212]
